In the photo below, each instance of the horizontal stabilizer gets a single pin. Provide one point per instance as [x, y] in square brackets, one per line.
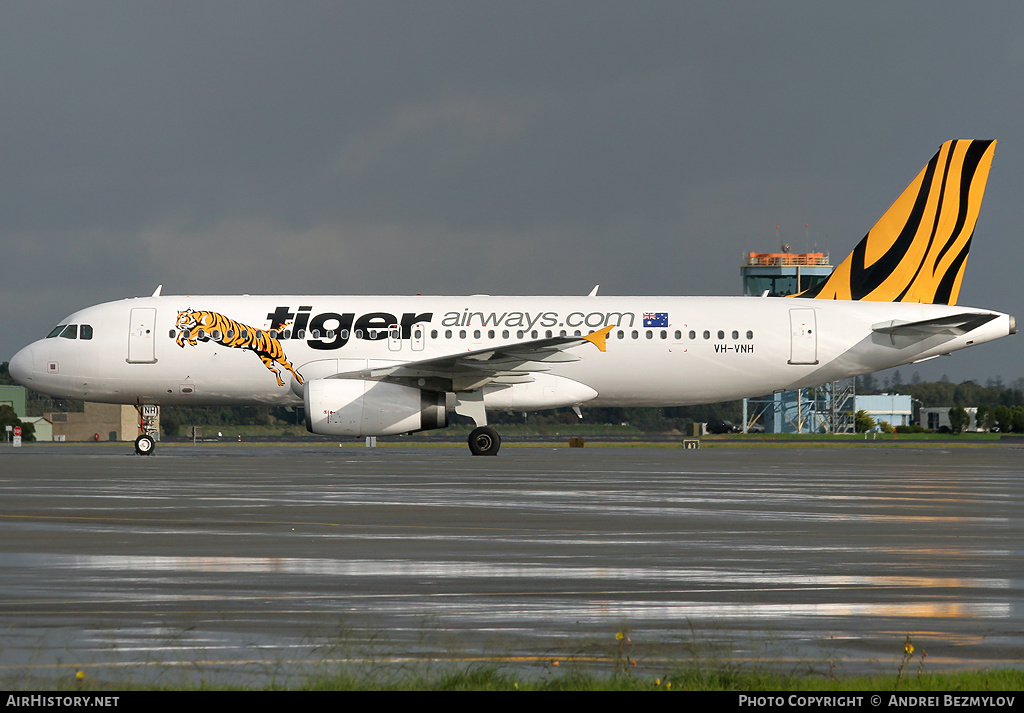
[954, 324]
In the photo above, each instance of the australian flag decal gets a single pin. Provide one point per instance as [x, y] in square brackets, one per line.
[655, 319]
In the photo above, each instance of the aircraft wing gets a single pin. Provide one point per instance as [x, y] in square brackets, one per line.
[467, 371]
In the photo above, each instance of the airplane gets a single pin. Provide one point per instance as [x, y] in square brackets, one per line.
[385, 365]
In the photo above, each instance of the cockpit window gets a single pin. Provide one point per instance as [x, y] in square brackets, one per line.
[56, 330]
[70, 332]
[85, 331]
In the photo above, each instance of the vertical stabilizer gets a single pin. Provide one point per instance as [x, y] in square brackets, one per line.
[917, 250]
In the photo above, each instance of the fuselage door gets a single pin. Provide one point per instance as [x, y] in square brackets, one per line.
[395, 338]
[418, 337]
[141, 336]
[803, 345]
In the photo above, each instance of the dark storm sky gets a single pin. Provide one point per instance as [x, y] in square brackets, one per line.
[497, 147]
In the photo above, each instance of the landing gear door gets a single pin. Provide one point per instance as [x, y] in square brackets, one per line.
[142, 336]
[803, 337]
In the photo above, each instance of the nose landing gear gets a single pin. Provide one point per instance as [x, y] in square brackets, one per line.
[144, 445]
[149, 424]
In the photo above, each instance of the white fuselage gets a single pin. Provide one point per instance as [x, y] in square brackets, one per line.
[698, 349]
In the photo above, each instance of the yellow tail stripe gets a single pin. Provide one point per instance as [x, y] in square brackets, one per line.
[917, 250]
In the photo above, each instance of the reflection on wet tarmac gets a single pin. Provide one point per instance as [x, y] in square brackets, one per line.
[130, 567]
[213, 554]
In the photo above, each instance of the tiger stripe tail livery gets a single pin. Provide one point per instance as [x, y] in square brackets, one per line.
[917, 251]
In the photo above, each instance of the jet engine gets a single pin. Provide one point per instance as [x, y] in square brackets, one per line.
[356, 407]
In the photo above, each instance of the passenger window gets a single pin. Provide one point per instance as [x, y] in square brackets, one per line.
[433, 334]
[721, 334]
[462, 334]
[664, 334]
[735, 334]
[750, 335]
[620, 334]
[650, 334]
[693, 334]
[707, 334]
[504, 334]
[636, 334]
[447, 334]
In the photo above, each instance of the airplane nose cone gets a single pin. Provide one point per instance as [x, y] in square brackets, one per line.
[21, 366]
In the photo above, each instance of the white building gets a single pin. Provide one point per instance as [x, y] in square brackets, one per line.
[894, 409]
[935, 418]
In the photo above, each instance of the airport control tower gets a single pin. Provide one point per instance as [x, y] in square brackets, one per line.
[820, 409]
[783, 273]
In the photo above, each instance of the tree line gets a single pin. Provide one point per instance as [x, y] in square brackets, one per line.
[999, 406]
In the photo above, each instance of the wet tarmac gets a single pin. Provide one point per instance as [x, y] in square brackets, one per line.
[232, 563]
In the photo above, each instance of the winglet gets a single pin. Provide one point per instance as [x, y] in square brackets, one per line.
[599, 337]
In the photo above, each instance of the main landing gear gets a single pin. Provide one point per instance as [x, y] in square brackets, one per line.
[484, 441]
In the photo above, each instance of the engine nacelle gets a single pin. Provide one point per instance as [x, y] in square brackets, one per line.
[354, 407]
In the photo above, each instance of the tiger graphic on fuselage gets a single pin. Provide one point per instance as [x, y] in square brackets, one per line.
[229, 333]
